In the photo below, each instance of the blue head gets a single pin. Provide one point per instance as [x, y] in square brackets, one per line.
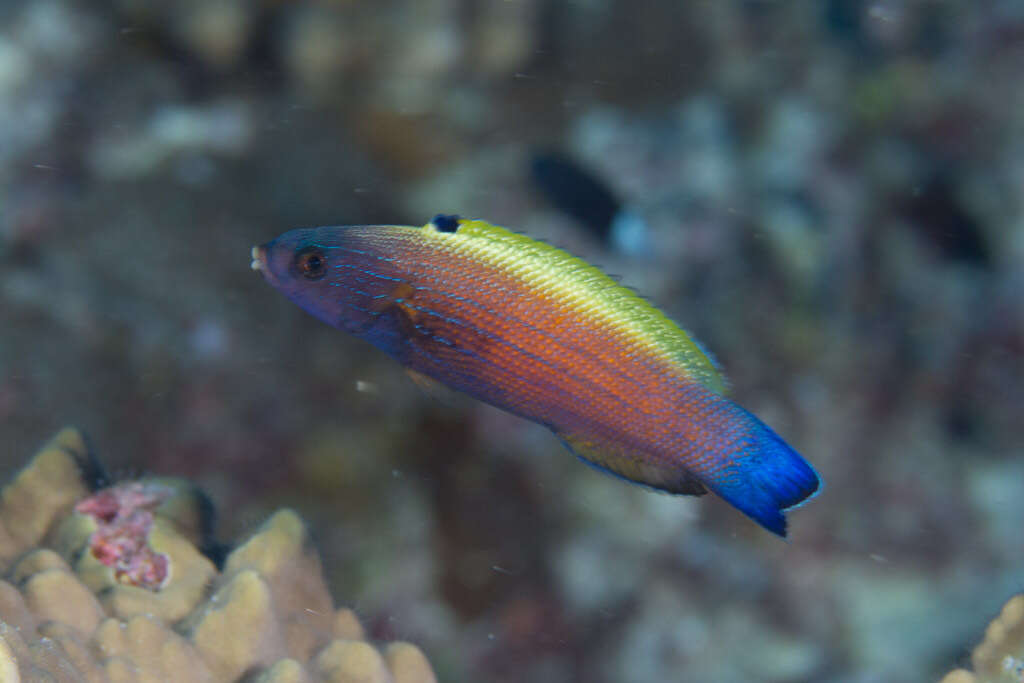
[338, 274]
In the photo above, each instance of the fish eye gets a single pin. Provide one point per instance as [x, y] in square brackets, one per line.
[311, 263]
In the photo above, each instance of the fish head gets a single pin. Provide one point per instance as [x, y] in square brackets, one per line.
[335, 273]
[291, 260]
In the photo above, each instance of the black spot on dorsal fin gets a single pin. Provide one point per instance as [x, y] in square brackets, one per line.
[445, 222]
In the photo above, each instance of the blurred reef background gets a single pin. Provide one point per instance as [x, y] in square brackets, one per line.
[833, 195]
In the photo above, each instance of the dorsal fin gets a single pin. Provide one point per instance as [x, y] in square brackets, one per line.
[631, 467]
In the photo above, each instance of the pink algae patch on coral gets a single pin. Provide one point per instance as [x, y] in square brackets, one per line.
[124, 518]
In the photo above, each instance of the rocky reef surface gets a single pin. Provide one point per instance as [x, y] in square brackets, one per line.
[116, 584]
[999, 658]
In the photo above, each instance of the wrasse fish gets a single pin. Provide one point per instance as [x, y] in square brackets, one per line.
[535, 331]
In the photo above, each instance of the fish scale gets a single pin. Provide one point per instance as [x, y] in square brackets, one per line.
[535, 331]
[485, 306]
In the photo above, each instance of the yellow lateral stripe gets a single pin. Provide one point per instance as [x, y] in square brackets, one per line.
[586, 289]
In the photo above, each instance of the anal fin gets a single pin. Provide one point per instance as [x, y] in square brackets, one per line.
[632, 467]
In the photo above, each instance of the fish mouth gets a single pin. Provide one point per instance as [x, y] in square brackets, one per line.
[259, 262]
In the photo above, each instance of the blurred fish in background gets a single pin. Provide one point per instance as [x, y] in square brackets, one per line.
[583, 196]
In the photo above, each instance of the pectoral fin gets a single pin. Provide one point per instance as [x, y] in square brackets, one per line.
[633, 467]
[432, 388]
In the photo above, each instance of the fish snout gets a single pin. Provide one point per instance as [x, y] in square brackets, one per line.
[259, 262]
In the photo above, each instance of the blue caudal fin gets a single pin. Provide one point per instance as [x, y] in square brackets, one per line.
[765, 478]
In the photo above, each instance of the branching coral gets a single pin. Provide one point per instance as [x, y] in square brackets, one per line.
[1000, 656]
[110, 586]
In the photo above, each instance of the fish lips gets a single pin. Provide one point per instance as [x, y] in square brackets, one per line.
[259, 263]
